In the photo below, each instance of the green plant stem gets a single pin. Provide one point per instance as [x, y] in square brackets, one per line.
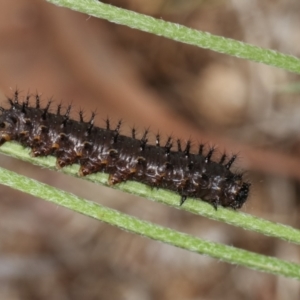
[159, 233]
[228, 216]
[181, 33]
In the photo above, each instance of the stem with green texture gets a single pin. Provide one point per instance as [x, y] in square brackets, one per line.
[225, 253]
[228, 216]
[182, 33]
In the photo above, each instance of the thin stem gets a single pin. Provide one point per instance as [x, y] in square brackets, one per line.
[147, 229]
[182, 34]
[228, 216]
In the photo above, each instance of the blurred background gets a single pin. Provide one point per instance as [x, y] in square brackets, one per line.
[48, 252]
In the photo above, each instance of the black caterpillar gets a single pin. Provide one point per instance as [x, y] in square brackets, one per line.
[124, 158]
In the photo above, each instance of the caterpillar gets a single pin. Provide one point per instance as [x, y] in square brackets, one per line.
[124, 158]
